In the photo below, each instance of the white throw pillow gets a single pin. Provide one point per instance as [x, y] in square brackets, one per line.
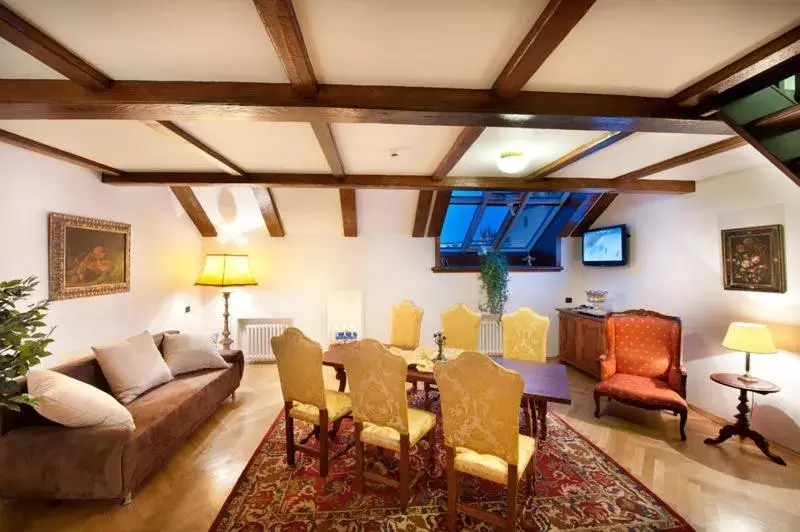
[133, 366]
[73, 403]
[191, 352]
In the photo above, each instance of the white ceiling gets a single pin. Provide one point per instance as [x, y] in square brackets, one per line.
[16, 64]
[123, 144]
[309, 211]
[446, 43]
[232, 210]
[182, 40]
[386, 212]
[658, 47]
[263, 146]
[543, 146]
[368, 148]
[634, 152]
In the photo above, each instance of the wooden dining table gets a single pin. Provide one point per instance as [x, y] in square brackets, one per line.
[544, 383]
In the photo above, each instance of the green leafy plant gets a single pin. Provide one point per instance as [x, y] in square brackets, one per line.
[494, 282]
[21, 342]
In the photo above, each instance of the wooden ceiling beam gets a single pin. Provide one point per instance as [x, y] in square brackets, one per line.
[172, 130]
[281, 23]
[269, 211]
[423, 212]
[593, 213]
[31, 40]
[194, 210]
[580, 213]
[439, 211]
[43, 149]
[579, 153]
[174, 101]
[684, 158]
[401, 182]
[776, 123]
[347, 201]
[781, 49]
[551, 27]
[462, 144]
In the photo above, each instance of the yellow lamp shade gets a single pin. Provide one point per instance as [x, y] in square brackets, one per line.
[749, 338]
[226, 270]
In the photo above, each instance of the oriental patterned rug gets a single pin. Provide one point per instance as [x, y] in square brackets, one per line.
[578, 487]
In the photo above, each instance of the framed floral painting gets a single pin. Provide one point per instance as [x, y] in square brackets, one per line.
[754, 259]
[88, 257]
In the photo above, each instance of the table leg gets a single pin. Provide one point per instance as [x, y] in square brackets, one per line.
[341, 376]
[541, 411]
[742, 429]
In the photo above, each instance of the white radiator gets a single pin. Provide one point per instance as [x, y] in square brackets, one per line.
[259, 340]
[491, 337]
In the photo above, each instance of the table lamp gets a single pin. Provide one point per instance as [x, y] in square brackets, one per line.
[226, 271]
[749, 338]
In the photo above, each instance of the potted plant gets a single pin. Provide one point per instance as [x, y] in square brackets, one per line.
[494, 282]
[21, 342]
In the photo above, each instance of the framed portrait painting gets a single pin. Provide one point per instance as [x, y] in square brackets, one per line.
[753, 259]
[88, 257]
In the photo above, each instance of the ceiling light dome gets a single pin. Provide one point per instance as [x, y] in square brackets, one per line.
[512, 161]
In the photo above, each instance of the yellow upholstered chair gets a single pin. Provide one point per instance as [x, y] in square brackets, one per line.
[406, 323]
[380, 411]
[304, 394]
[461, 326]
[480, 411]
[525, 335]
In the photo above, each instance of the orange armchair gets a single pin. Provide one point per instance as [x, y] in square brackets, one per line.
[642, 363]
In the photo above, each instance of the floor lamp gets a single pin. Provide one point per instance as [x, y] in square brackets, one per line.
[225, 271]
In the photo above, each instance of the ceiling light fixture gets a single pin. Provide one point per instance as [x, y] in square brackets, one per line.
[512, 161]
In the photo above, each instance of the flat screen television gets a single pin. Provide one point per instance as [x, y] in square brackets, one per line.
[606, 246]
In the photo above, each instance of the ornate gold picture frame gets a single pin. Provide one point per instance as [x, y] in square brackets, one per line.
[87, 256]
[753, 259]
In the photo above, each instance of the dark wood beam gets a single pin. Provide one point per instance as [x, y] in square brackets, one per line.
[578, 215]
[172, 130]
[779, 50]
[462, 144]
[439, 212]
[167, 100]
[551, 27]
[593, 213]
[776, 123]
[756, 143]
[194, 210]
[281, 23]
[656, 186]
[269, 211]
[423, 211]
[579, 153]
[685, 158]
[347, 199]
[30, 39]
[43, 149]
[324, 135]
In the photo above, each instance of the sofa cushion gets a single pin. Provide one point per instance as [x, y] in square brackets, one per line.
[75, 404]
[167, 415]
[652, 392]
[191, 352]
[133, 366]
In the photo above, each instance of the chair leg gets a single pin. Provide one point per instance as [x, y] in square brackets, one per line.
[405, 459]
[359, 458]
[289, 422]
[513, 483]
[684, 416]
[452, 490]
[323, 442]
[427, 396]
[432, 450]
[596, 405]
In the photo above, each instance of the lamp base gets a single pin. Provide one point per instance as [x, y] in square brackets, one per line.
[226, 332]
[747, 378]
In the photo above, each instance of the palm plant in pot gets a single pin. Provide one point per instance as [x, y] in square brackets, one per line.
[22, 344]
[494, 282]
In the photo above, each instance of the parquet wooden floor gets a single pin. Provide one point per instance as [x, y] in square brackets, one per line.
[730, 488]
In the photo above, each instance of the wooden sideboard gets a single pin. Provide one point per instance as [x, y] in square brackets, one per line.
[581, 340]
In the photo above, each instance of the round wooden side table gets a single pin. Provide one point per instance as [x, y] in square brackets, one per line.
[742, 426]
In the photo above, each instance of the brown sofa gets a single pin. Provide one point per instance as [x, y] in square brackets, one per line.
[39, 459]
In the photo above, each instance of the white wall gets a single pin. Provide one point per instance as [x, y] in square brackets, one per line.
[165, 249]
[296, 273]
[676, 269]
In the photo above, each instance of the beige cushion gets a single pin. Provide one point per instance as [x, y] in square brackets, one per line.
[73, 403]
[132, 367]
[191, 352]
